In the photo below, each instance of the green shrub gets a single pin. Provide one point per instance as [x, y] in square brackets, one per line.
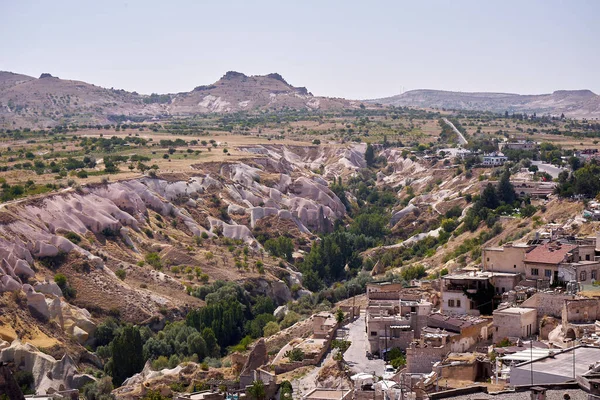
[121, 274]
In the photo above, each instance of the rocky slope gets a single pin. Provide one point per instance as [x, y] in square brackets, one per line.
[49, 101]
[89, 234]
[573, 103]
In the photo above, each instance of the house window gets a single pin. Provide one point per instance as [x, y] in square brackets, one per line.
[515, 266]
[548, 273]
[582, 276]
[535, 271]
[373, 333]
[450, 303]
[594, 274]
[488, 259]
[587, 257]
[457, 303]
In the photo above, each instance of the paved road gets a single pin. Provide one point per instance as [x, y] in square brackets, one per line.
[356, 356]
[461, 138]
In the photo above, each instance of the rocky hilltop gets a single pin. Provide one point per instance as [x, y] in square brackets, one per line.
[572, 103]
[47, 101]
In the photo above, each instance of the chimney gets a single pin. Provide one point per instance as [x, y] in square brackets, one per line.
[538, 393]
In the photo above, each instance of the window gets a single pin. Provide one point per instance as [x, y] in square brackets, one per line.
[583, 276]
[594, 274]
[535, 271]
[373, 333]
[515, 266]
[488, 259]
[548, 273]
[450, 303]
[413, 309]
[587, 257]
[457, 303]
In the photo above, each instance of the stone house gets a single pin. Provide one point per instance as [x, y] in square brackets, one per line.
[514, 322]
[395, 323]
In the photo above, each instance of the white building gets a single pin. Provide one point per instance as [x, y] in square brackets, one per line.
[494, 159]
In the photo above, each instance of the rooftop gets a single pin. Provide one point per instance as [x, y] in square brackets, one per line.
[457, 322]
[561, 363]
[549, 253]
[327, 394]
[515, 310]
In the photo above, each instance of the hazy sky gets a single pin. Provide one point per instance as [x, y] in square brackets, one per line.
[353, 49]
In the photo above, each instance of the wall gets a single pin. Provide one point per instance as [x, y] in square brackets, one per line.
[514, 324]
[465, 303]
[463, 371]
[547, 304]
[505, 283]
[580, 310]
[504, 259]
[469, 337]
[420, 360]
[541, 270]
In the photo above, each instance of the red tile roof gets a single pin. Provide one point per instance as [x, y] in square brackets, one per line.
[549, 253]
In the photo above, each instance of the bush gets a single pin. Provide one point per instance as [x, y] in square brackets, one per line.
[121, 274]
[73, 237]
[290, 319]
[60, 280]
[270, 328]
[154, 260]
[295, 355]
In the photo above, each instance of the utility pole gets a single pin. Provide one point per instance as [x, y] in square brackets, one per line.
[574, 348]
[531, 358]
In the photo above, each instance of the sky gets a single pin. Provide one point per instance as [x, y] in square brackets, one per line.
[352, 49]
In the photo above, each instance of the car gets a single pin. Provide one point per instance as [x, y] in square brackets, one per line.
[389, 372]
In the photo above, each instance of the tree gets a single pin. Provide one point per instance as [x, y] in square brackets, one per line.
[127, 355]
[197, 345]
[506, 191]
[370, 155]
[489, 198]
[257, 390]
[339, 316]
[211, 342]
[270, 328]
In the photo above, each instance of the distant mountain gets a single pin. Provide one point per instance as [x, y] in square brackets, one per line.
[573, 103]
[47, 101]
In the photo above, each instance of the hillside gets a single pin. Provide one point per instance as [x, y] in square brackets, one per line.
[572, 103]
[49, 101]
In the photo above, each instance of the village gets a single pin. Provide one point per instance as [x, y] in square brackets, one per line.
[524, 325]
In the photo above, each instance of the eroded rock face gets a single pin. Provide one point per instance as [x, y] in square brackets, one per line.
[258, 357]
[49, 374]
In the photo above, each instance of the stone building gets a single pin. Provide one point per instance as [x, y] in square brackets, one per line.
[395, 323]
[514, 322]
[579, 316]
[423, 353]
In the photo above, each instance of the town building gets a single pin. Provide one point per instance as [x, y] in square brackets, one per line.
[535, 189]
[458, 290]
[514, 322]
[552, 261]
[462, 332]
[395, 323]
[557, 367]
[494, 159]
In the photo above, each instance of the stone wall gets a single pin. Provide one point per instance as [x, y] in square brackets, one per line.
[420, 358]
[580, 311]
[549, 304]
